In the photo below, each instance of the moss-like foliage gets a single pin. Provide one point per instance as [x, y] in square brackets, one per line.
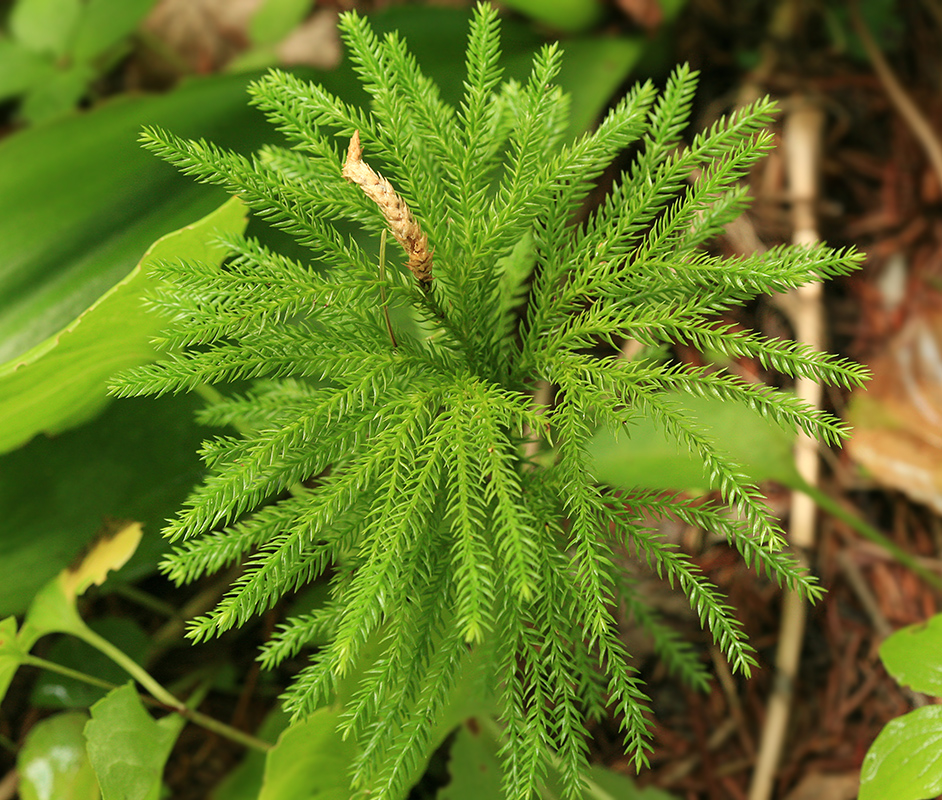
[394, 409]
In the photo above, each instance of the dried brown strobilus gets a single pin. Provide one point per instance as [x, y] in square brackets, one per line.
[401, 222]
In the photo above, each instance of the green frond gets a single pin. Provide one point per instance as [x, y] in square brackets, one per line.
[704, 599]
[298, 109]
[583, 507]
[410, 745]
[200, 317]
[472, 555]
[280, 565]
[787, 357]
[722, 282]
[777, 563]
[214, 551]
[525, 714]
[296, 633]
[784, 409]
[669, 116]
[514, 528]
[268, 404]
[479, 117]
[735, 487]
[384, 443]
[538, 128]
[678, 654]
[671, 232]
[409, 641]
[286, 205]
[419, 131]
[401, 514]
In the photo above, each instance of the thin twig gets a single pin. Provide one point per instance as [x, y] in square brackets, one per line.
[858, 585]
[728, 684]
[802, 135]
[9, 785]
[382, 288]
[908, 110]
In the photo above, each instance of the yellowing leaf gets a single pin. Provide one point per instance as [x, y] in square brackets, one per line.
[110, 551]
[53, 608]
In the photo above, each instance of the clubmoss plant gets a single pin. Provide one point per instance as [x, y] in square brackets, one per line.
[387, 442]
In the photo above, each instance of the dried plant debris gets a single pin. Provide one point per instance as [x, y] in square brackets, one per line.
[401, 222]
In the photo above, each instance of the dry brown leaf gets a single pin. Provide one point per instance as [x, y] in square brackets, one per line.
[646, 14]
[897, 417]
[205, 34]
[316, 43]
[819, 786]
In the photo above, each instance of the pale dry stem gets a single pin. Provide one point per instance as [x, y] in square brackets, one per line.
[402, 224]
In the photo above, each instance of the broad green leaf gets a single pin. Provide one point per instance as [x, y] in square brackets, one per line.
[45, 25]
[111, 551]
[473, 765]
[311, 761]
[127, 748]
[21, 68]
[564, 15]
[593, 69]
[62, 380]
[53, 763]
[905, 761]
[245, 781]
[136, 461]
[81, 201]
[104, 23]
[275, 19]
[644, 457]
[11, 654]
[52, 611]
[913, 656]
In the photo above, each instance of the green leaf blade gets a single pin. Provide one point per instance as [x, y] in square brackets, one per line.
[127, 747]
[912, 656]
[905, 760]
[61, 381]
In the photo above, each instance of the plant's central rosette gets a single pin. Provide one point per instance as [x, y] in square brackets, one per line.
[383, 445]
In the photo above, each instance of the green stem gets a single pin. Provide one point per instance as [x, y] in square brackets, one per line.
[382, 287]
[227, 731]
[74, 674]
[194, 716]
[129, 665]
[835, 509]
